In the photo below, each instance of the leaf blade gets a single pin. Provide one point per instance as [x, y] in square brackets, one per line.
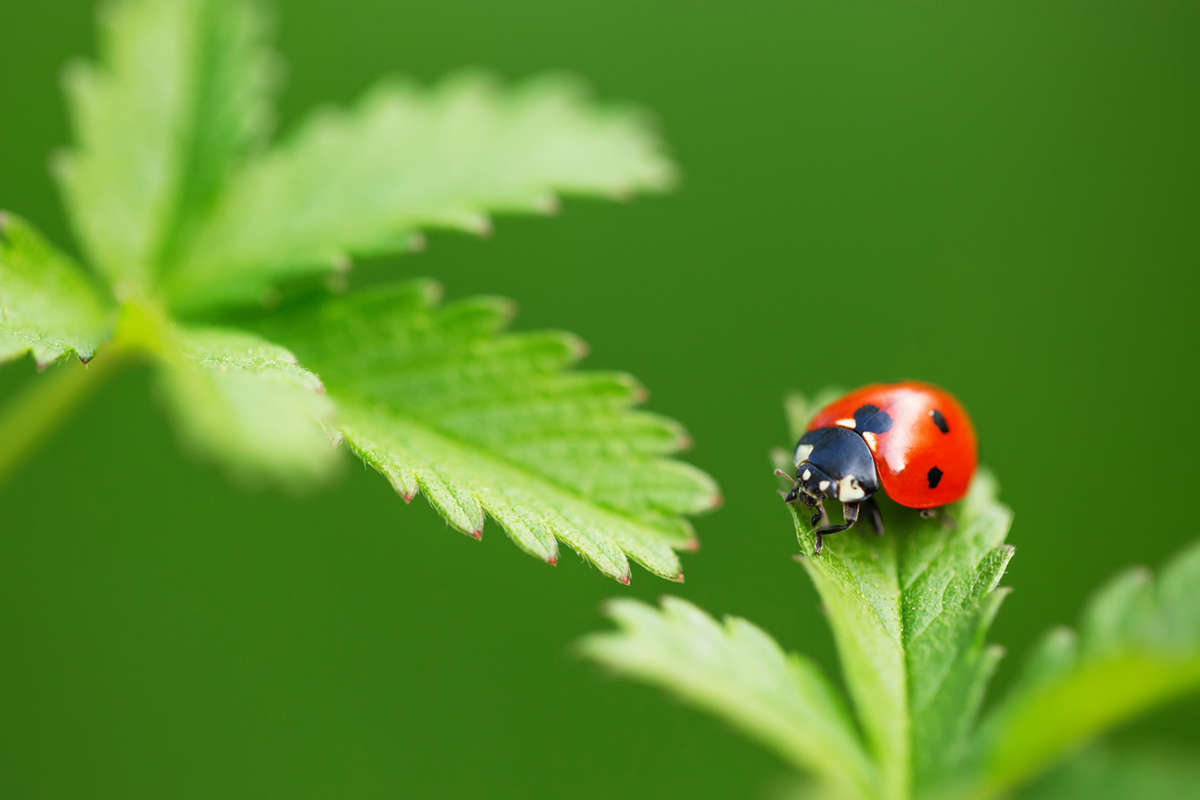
[48, 307]
[367, 180]
[1139, 645]
[739, 673]
[438, 401]
[180, 93]
[248, 404]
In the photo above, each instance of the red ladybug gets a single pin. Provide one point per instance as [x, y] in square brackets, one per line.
[911, 439]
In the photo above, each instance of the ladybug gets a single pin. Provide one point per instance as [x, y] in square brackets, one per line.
[910, 439]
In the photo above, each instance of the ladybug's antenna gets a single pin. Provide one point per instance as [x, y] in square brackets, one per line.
[784, 475]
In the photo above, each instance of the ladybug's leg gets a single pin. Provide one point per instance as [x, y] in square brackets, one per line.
[876, 520]
[850, 511]
[818, 519]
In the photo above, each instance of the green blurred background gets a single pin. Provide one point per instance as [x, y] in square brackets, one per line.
[996, 196]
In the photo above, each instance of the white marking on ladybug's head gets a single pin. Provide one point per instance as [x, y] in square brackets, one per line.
[807, 474]
[870, 440]
[823, 485]
[849, 490]
[803, 451]
[848, 422]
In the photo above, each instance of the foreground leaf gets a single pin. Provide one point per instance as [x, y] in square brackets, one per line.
[1111, 773]
[481, 423]
[366, 180]
[910, 611]
[739, 673]
[1138, 646]
[178, 96]
[48, 307]
[247, 403]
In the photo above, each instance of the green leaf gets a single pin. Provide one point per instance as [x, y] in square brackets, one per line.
[247, 402]
[440, 403]
[738, 672]
[1112, 773]
[365, 180]
[1138, 646]
[909, 612]
[48, 307]
[180, 94]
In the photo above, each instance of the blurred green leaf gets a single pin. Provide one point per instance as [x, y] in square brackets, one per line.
[438, 402]
[1111, 773]
[48, 306]
[910, 611]
[1138, 646]
[365, 180]
[248, 403]
[736, 671]
[175, 207]
[179, 95]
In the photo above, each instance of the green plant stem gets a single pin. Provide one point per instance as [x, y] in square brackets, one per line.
[27, 419]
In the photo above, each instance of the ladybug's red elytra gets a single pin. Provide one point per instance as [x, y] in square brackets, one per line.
[912, 440]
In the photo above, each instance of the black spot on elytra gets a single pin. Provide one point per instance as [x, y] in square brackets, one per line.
[869, 419]
[939, 420]
[935, 477]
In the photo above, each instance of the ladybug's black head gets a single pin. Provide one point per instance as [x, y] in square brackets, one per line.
[836, 463]
[811, 485]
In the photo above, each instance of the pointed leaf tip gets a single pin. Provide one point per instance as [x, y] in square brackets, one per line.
[508, 308]
[48, 306]
[579, 348]
[481, 226]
